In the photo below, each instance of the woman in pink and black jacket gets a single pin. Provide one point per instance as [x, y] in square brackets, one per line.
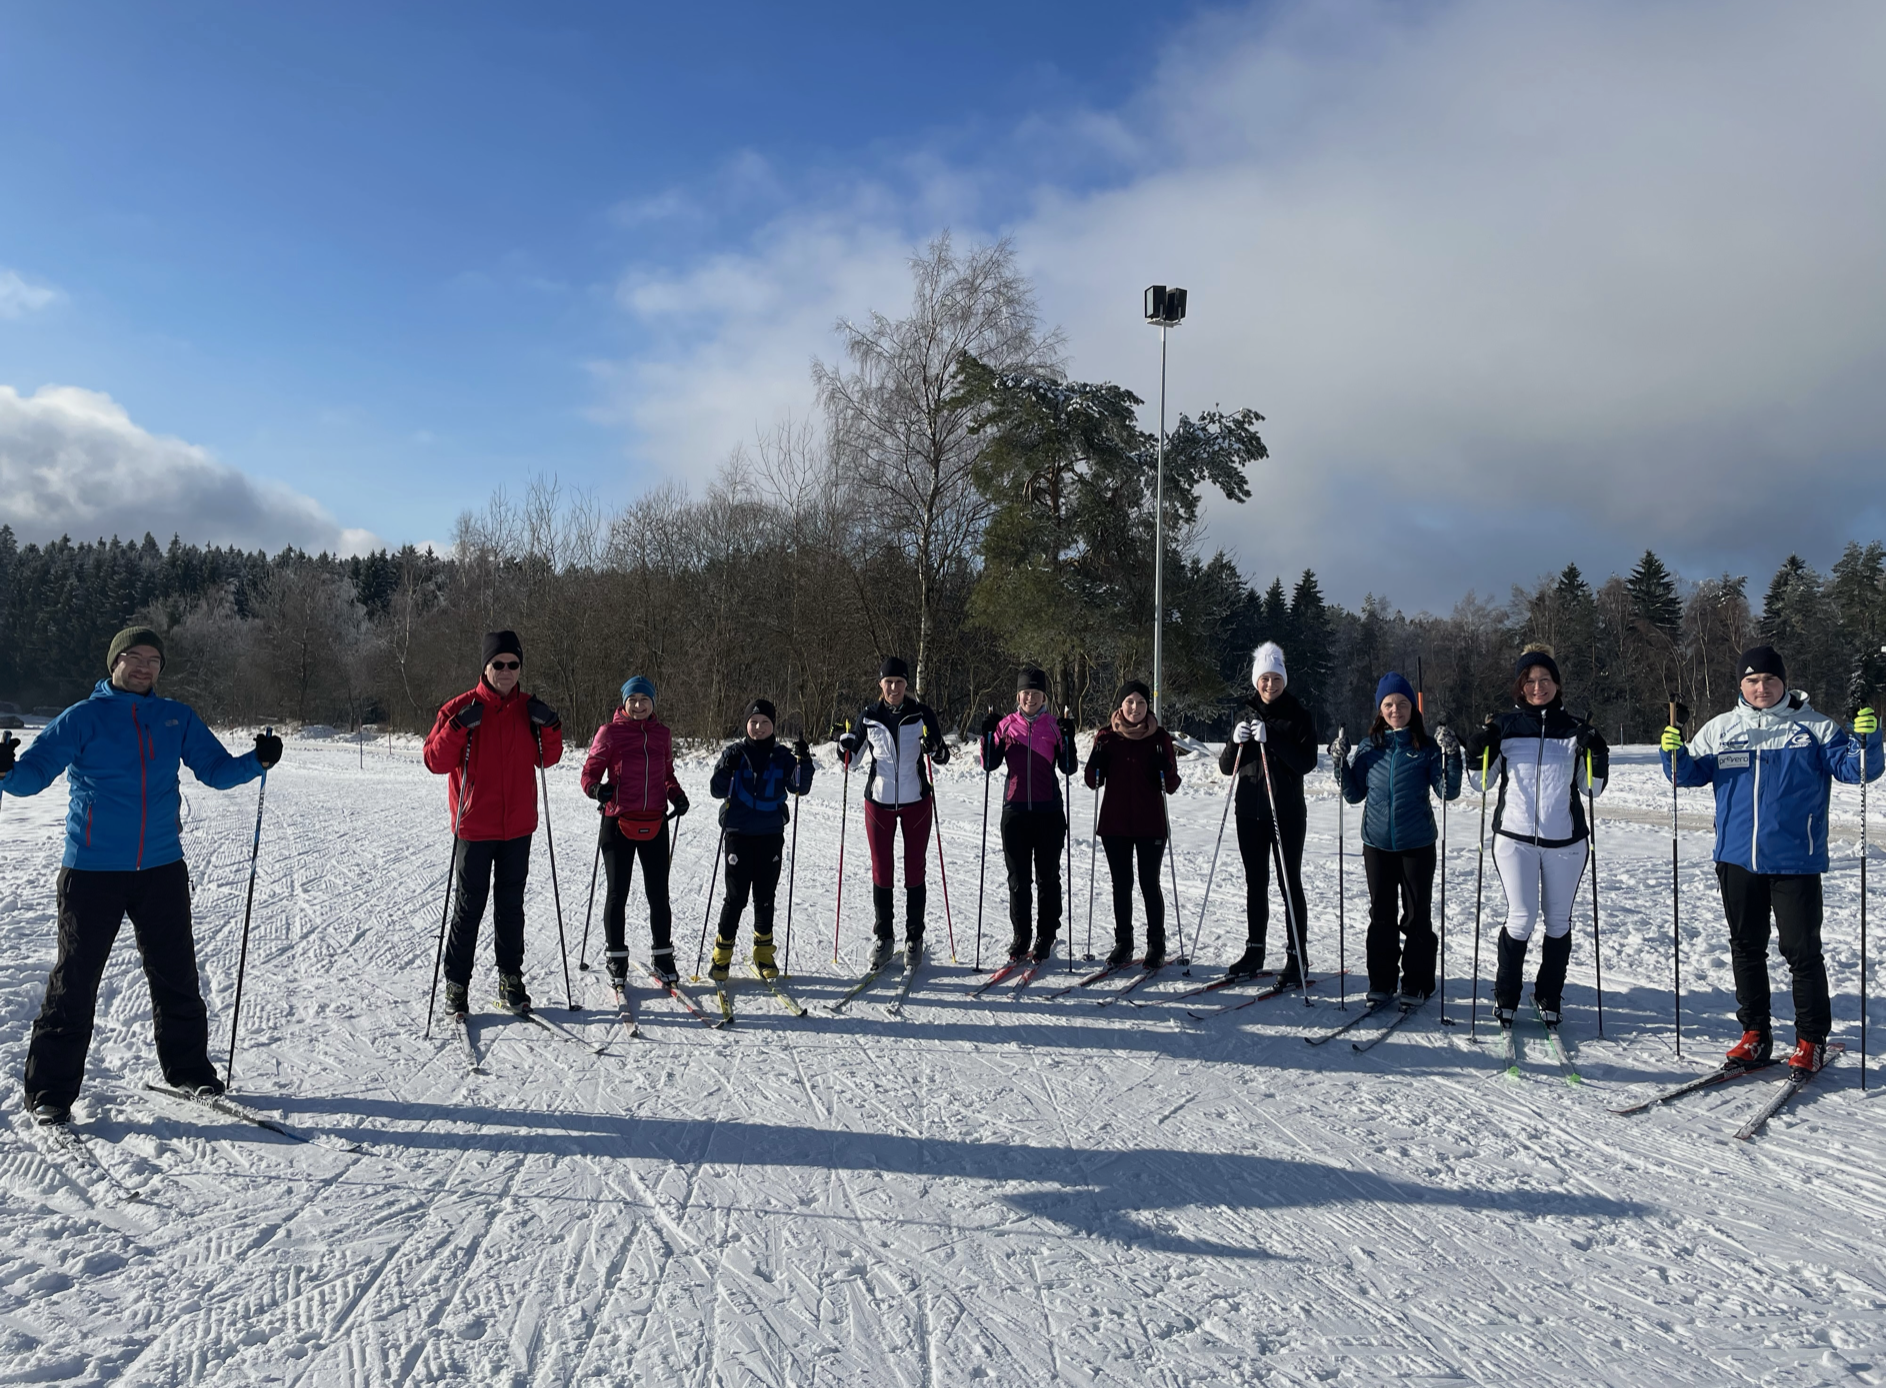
[630, 773]
[1037, 751]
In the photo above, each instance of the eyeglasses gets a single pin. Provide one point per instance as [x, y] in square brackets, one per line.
[507, 665]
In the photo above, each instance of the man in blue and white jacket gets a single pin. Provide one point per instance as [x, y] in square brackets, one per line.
[1773, 761]
[120, 750]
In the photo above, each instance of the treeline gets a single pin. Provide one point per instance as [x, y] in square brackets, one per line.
[959, 502]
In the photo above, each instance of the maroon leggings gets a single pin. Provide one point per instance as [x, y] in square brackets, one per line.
[880, 827]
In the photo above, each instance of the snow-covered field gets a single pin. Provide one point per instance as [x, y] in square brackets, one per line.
[1002, 1191]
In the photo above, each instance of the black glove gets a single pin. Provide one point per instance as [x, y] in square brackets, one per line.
[1485, 742]
[268, 749]
[7, 743]
[470, 716]
[940, 752]
[1066, 725]
[679, 800]
[541, 714]
[801, 749]
[598, 792]
[838, 731]
[990, 722]
[1097, 767]
[1587, 737]
[729, 757]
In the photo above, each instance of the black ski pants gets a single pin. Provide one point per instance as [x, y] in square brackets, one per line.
[1031, 847]
[1748, 900]
[480, 863]
[752, 869]
[1121, 851]
[1401, 894]
[91, 907]
[619, 853]
[1254, 846]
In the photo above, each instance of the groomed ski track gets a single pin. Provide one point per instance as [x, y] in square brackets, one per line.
[1003, 1191]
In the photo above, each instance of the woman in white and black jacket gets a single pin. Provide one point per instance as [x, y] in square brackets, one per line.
[898, 732]
[1545, 761]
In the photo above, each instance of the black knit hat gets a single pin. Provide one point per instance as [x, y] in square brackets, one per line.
[1761, 660]
[1540, 656]
[893, 668]
[499, 643]
[129, 637]
[763, 707]
[1138, 687]
[1031, 677]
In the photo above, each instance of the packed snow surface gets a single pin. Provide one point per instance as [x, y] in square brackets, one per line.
[1003, 1190]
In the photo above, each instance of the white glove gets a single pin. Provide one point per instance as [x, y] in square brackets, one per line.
[1448, 742]
[1339, 749]
[1242, 733]
[1260, 730]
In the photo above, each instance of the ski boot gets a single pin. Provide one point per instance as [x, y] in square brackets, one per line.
[913, 949]
[1292, 976]
[457, 997]
[618, 967]
[882, 948]
[662, 961]
[511, 994]
[1122, 954]
[1506, 1017]
[1155, 947]
[1549, 1012]
[1044, 948]
[1757, 1047]
[1018, 946]
[1249, 964]
[722, 962]
[1377, 996]
[50, 1115]
[1808, 1056]
[763, 956]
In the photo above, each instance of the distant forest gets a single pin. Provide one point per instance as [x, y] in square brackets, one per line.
[961, 503]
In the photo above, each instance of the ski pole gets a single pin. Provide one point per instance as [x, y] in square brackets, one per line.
[1231, 787]
[1067, 800]
[582, 954]
[713, 882]
[556, 892]
[792, 875]
[1676, 898]
[982, 867]
[844, 809]
[1597, 953]
[1093, 847]
[1342, 862]
[942, 869]
[242, 957]
[1292, 921]
[451, 877]
[9, 741]
[1479, 879]
[1440, 983]
[1862, 913]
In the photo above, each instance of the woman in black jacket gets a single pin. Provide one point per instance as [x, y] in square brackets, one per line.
[1283, 729]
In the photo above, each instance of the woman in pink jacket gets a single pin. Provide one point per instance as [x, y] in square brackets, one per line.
[1038, 751]
[630, 772]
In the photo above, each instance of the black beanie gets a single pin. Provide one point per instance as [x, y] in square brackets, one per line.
[893, 668]
[499, 643]
[1540, 658]
[1133, 687]
[1761, 660]
[763, 707]
[129, 637]
[1031, 677]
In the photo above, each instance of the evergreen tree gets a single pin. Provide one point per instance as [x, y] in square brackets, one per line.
[1309, 653]
[1653, 593]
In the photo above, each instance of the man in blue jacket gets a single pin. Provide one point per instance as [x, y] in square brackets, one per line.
[1773, 761]
[124, 855]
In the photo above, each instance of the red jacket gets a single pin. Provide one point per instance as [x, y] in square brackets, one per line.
[636, 757]
[1135, 771]
[503, 802]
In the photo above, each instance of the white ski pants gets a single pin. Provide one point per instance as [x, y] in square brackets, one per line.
[1539, 883]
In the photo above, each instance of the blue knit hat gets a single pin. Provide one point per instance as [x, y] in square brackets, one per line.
[638, 684]
[1393, 683]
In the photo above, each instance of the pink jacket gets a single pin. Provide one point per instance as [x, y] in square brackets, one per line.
[636, 756]
[1035, 755]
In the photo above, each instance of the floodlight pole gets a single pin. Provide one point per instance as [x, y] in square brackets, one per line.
[1166, 307]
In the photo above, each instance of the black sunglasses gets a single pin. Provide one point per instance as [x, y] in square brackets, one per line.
[507, 665]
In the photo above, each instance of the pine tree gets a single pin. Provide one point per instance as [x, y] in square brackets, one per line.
[1653, 593]
[1309, 657]
[1797, 621]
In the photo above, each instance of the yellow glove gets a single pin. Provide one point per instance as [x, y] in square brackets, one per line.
[1866, 722]
[1672, 740]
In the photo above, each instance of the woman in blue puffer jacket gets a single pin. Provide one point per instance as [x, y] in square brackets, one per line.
[1391, 774]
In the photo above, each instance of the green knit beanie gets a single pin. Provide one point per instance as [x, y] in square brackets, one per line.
[129, 637]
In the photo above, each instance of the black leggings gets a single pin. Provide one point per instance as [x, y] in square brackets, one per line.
[1120, 850]
[753, 863]
[1031, 847]
[619, 853]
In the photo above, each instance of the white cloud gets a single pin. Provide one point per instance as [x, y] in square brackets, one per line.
[1517, 282]
[72, 462]
[20, 296]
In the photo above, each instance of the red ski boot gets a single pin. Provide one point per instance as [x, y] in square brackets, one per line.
[1808, 1056]
[1755, 1048]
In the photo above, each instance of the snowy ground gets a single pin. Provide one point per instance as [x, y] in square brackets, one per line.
[986, 1191]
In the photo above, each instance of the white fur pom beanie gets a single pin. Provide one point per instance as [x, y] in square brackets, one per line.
[1269, 660]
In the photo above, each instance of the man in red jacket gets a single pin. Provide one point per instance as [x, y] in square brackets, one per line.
[490, 742]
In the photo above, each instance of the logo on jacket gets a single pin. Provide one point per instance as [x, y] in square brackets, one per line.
[1801, 739]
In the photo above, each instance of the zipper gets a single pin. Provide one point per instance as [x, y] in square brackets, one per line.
[1538, 786]
[1755, 817]
[137, 730]
[1391, 792]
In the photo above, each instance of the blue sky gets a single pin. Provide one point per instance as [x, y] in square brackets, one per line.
[1516, 282]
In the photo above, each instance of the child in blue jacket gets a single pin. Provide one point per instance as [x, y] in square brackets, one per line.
[1391, 773]
[1773, 761]
[754, 776]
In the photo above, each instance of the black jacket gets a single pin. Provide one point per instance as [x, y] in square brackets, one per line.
[1292, 752]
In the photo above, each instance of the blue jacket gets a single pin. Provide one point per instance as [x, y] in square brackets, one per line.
[754, 779]
[120, 753]
[1773, 770]
[1394, 777]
